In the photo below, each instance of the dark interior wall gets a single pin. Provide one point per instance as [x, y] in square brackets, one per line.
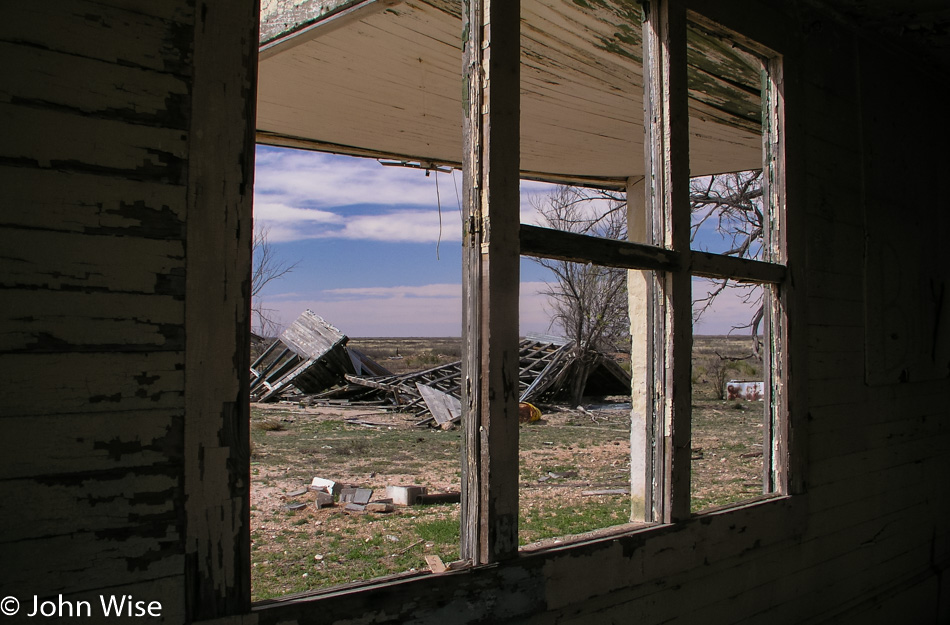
[95, 113]
[125, 162]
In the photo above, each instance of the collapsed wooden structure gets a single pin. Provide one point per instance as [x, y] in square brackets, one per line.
[312, 358]
[311, 355]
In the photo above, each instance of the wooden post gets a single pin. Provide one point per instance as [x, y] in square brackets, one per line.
[640, 306]
[491, 40]
[217, 319]
[667, 163]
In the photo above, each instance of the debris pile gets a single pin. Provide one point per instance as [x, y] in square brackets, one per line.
[312, 358]
[323, 493]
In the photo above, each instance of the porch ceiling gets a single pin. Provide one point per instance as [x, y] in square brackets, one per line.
[384, 78]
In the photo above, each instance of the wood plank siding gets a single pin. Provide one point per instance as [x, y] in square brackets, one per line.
[126, 168]
[110, 115]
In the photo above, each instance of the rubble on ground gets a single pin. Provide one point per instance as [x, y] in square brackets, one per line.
[324, 493]
[312, 364]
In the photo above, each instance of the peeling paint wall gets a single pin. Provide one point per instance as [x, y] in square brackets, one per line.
[117, 120]
[94, 116]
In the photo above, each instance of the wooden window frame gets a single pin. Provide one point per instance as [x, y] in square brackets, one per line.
[660, 251]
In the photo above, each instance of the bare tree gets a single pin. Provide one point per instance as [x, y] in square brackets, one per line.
[733, 202]
[588, 302]
[265, 268]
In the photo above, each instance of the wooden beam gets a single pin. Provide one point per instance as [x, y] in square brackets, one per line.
[336, 17]
[667, 159]
[582, 248]
[491, 275]
[777, 428]
[265, 137]
[741, 269]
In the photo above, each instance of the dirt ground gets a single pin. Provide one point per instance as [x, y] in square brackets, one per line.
[569, 463]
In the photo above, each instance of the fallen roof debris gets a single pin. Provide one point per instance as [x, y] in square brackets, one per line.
[311, 357]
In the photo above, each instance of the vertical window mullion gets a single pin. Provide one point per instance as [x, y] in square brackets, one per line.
[491, 280]
[667, 158]
[775, 442]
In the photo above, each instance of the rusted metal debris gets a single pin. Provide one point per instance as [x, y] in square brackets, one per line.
[311, 358]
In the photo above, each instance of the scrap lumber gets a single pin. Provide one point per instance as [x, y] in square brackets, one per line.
[545, 365]
[311, 356]
[444, 407]
[435, 564]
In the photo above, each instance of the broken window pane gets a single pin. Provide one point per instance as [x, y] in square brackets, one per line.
[592, 212]
[574, 468]
[731, 378]
[355, 455]
[726, 83]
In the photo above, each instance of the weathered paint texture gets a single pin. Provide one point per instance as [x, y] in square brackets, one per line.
[126, 167]
[123, 124]
[345, 88]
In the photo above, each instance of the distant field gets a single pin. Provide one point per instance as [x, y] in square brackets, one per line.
[402, 354]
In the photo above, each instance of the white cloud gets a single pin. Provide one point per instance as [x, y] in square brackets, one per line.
[295, 177]
[427, 290]
[403, 226]
[305, 195]
[285, 223]
[278, 212]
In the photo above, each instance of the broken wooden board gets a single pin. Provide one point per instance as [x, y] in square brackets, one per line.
[310, 336]
[444, 407]
[435, 564]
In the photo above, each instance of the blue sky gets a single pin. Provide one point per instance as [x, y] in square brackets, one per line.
[372, 257]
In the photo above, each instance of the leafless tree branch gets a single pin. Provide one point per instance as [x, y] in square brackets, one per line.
[587, 302]
[734, 202]
[266, 267]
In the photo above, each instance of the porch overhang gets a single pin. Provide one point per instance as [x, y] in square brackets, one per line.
[383, 79]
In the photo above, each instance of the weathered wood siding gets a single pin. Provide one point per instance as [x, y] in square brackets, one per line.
[125, 160]
[125, 167]
[94, 119]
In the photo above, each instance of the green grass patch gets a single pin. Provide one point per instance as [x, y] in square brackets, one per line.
[551, 521]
